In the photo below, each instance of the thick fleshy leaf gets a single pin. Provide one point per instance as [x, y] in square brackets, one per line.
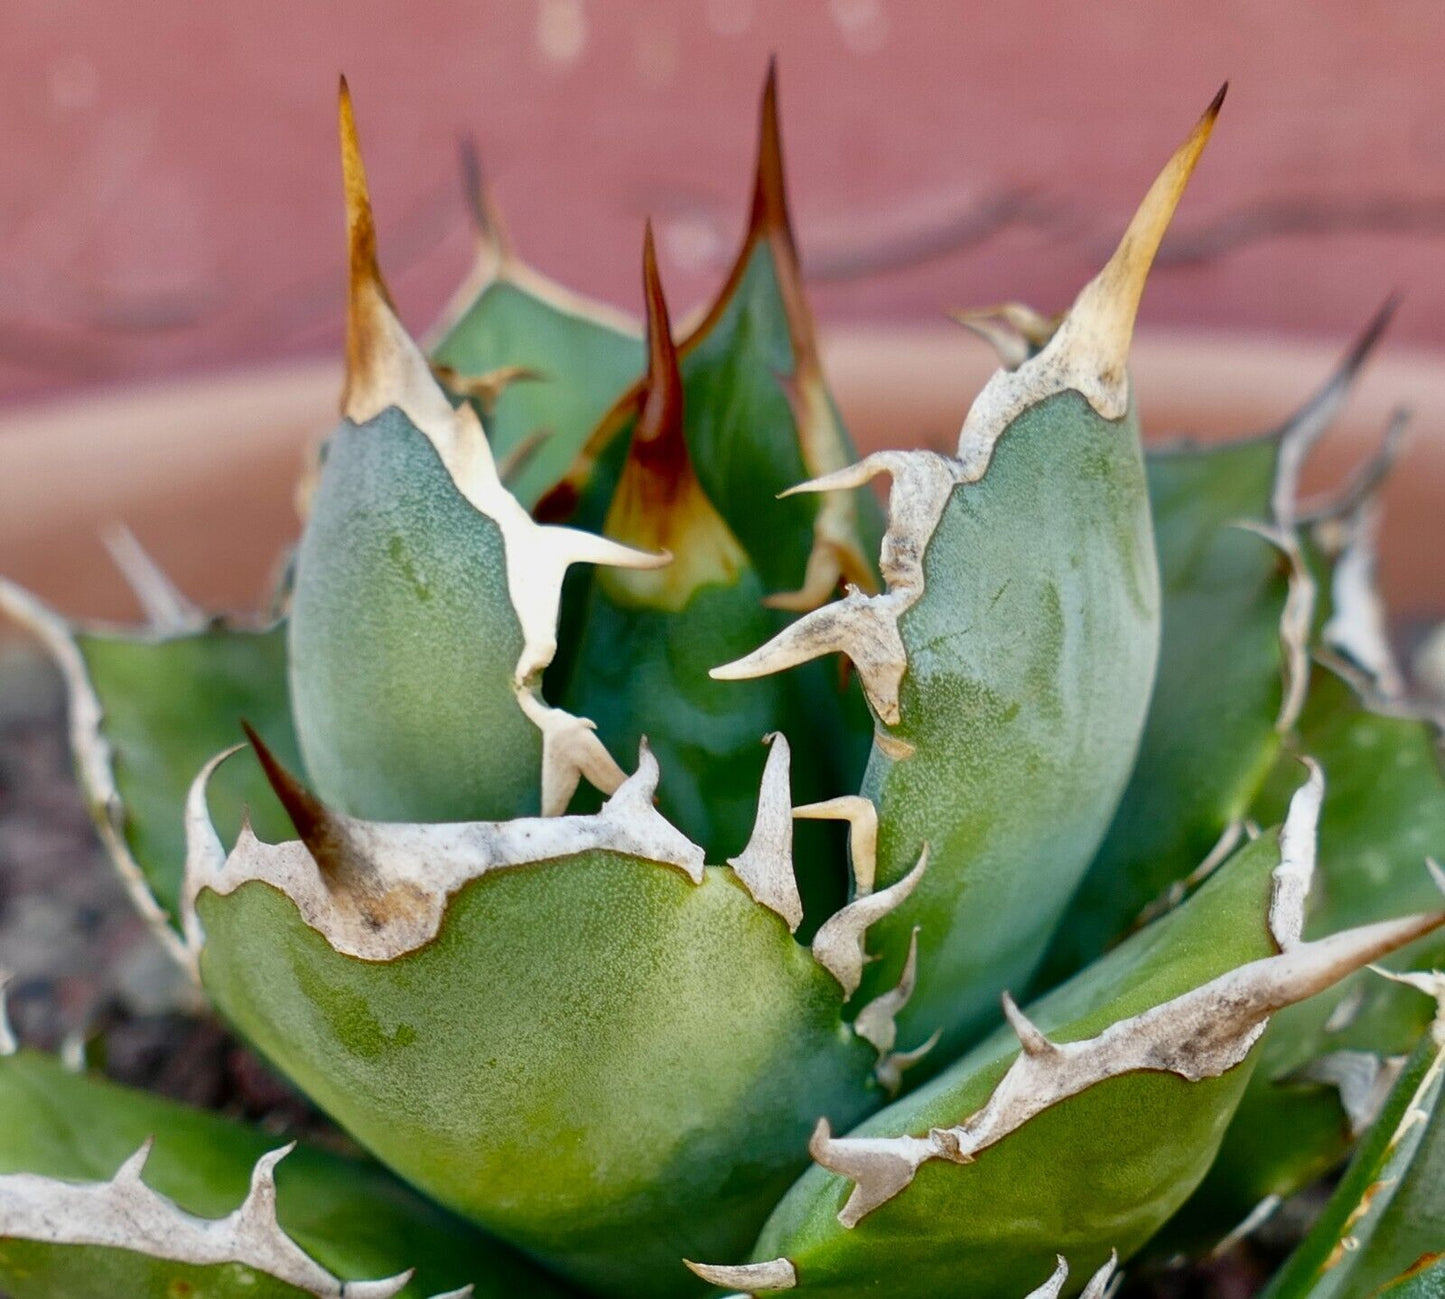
[65, 1235]
[425, 598]
[567, 1029]
[1324, 1064]
[1223, 691]
[975, 1181]
[1381, 1233]
[147, 708]
[1009, 663]
[567, 359]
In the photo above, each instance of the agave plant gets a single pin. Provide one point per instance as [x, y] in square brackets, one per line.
[644, 947]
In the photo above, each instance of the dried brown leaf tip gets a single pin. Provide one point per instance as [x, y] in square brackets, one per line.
[659, 504]
[487, 222]
[366, 287]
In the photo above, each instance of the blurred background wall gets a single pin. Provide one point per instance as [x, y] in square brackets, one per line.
[169, 196]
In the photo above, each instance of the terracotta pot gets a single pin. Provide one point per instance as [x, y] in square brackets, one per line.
[202, 469]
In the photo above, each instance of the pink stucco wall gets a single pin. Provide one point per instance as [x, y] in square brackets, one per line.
[169, 191]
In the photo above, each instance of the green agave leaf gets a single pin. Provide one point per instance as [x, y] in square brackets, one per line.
[647, 640]
[1220, 699]
[1009, 663]
[544, 364]
[567, 1029]
[147, 707]
[1380, 1234]
[83, 1215]
[758, 420]
[973, 1182]
[425, 600]
[1324, 1063]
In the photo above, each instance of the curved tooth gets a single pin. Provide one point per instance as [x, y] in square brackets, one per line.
[775, 1274]
[765, 866]
[877, 1024]
[168, 611]
[1199, 1034]
[838, 946]
[1054, 1286]
[1362, 1079]
[1297, 851]
[570, 751]
[1012, 329]
[865, 627]
[1100, 1284]
[860, 626]
[862, 817]
[1031, 1038]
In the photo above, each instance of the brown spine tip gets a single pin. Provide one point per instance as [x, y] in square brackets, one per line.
[658, 438]
[770, 190]
[314, 823]
[486, 217]
[366, 288]
[1370, 336]
[1217, 102]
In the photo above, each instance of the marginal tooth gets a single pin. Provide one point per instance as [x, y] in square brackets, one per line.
[1247, 1226]
[485, 388]
[838, 946]
[765, 866]
[1437, 873]
[775, 1274]
[1304, 429]
[862, 817]
[9, 1043]
[1102, 317]
[865, 628]
[1014, 329]
[258, 1211]
[1100, 1282]
[858, 474]
[1199, 1034]
[1030, 1036]
[1297, 850]
[1054, 1286]
[1363, 1080]
[387, 1288]
[205, 854]
[1358, 627]
[1295, 622]
[167, 609]
[570, 751]
[876, 1023]
[879, 1167]
[645, 831]
[129, 1173]
[466, 1292]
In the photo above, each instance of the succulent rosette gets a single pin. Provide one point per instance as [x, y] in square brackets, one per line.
[672, 869]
